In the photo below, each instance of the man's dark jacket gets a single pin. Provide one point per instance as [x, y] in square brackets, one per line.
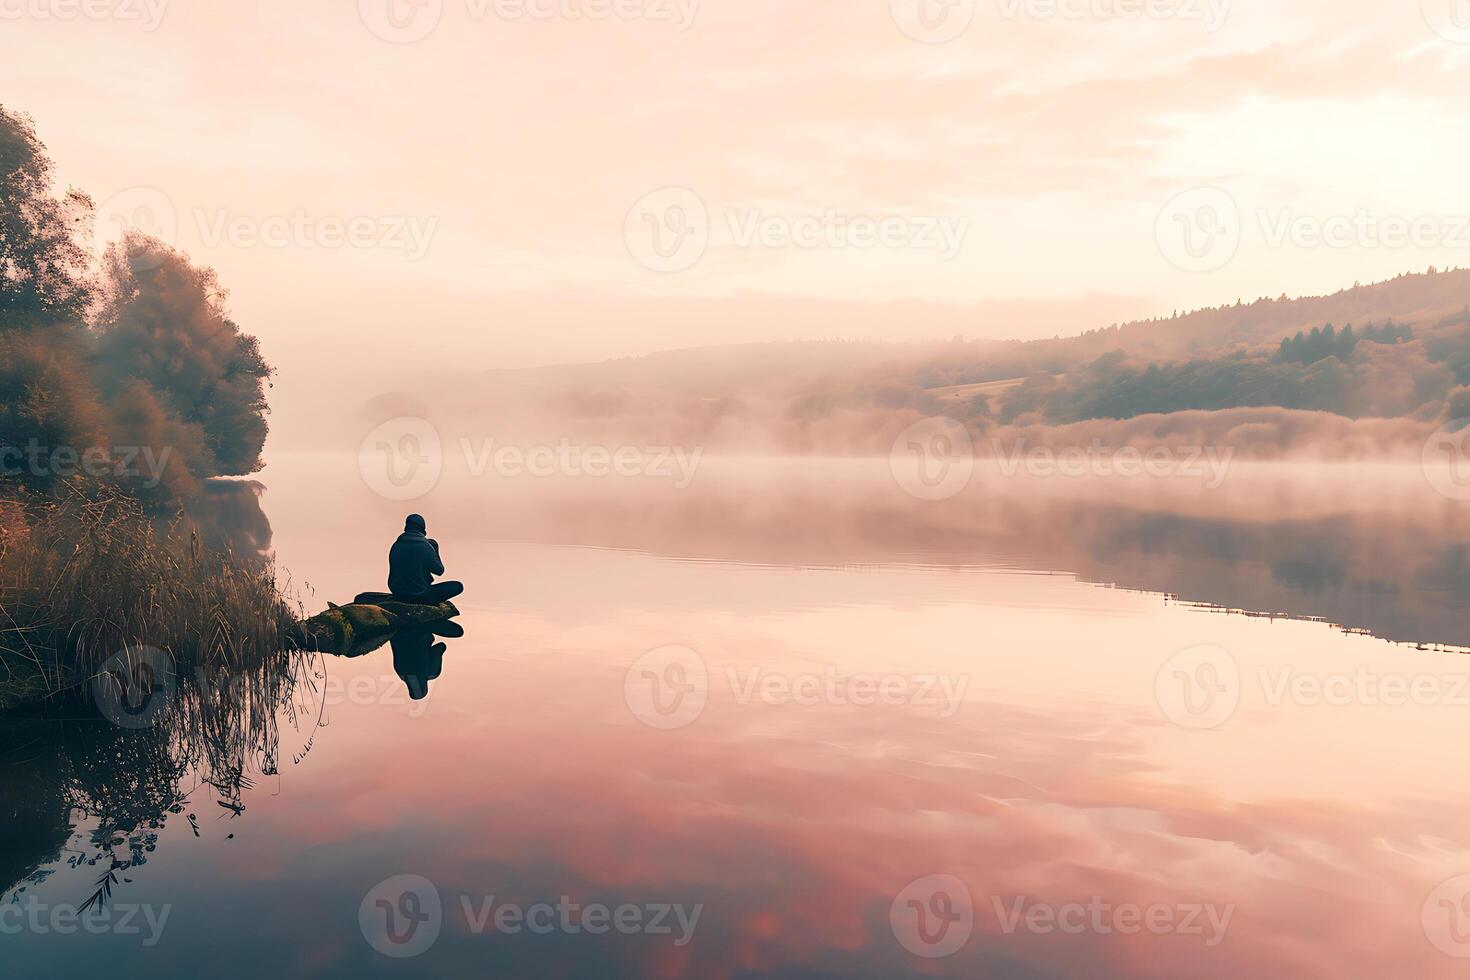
[413, 561]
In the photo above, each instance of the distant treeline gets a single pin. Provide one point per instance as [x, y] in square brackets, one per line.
[128, 372]
[1309, 348]
[1380, 372]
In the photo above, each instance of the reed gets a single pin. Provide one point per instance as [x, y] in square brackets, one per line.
[86, 576]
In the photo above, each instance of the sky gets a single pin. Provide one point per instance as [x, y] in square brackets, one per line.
[391, 184]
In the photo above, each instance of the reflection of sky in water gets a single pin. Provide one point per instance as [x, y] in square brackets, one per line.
[1059, 777]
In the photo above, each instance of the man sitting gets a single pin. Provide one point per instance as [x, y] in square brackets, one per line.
[413, 561]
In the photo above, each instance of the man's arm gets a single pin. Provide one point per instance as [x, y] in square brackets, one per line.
[438, 568]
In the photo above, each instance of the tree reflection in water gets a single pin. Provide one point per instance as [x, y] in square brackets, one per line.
[86, 791]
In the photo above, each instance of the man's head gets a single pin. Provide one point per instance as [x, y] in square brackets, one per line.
[415, 523]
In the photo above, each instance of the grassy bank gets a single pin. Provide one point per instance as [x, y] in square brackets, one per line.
[84, 577]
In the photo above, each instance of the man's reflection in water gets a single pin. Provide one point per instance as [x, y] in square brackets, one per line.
[417, 659]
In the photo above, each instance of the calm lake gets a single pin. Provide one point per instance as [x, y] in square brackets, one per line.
[792, 721]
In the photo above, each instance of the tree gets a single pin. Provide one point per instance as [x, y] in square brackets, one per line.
[160, 367]
[43, 263]
[165, 324]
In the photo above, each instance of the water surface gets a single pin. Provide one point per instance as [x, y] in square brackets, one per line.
[844, 732]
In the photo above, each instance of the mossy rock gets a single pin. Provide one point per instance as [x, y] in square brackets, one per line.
[354, 630]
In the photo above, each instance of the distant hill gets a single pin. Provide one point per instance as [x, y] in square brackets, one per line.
[1273, 374]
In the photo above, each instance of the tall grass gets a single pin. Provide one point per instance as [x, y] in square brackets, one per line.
[86, 576]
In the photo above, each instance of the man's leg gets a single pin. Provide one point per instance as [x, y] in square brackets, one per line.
[441, 592]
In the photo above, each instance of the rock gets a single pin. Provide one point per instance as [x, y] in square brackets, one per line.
[360, 628]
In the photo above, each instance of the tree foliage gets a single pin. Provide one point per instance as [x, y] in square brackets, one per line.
[120, 357]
